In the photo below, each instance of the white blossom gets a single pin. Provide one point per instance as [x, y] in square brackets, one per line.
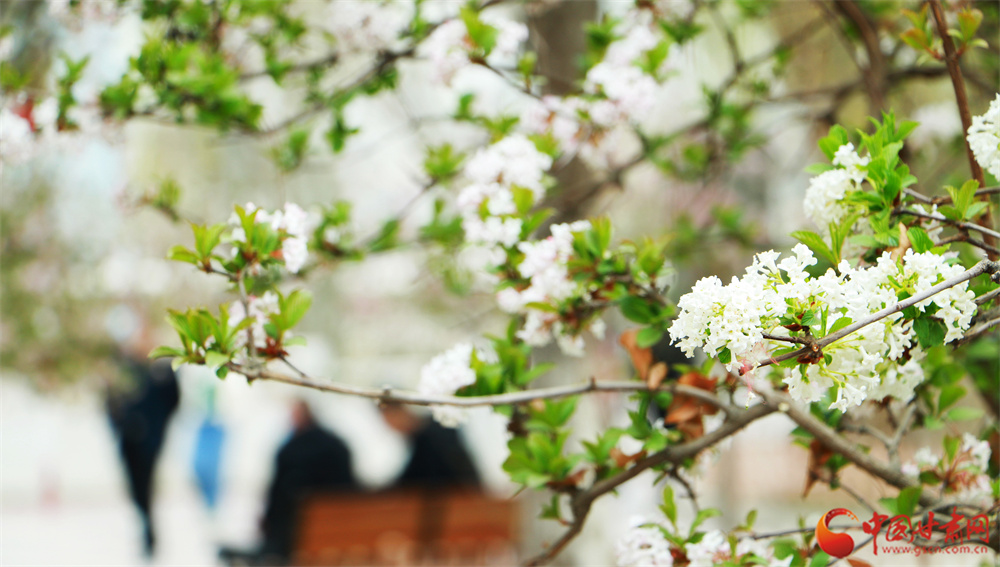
[291, 222]
[445, 374]
[513, 161]
[712, 549]
[984, 138]
[867, 364]
[368, 25]
[449, 46]
[978, 451]
[643, 545]
[257, 309]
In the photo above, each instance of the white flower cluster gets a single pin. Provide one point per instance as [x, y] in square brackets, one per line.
[257, 309]
[643, 545]
[545, 266]
[487, 204]
[967, 476]
[824, 202]
[629, 92]
[984, 138]
[493, 225]
[618, 92]
[292, 221]
[879, 360]
[490, 217]
[366, 25]
[714, 548]
[449, 46]
[447, 373]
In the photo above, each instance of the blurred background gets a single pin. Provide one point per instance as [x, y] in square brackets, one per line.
[84, 271]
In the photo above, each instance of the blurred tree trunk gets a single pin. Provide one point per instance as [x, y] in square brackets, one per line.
[558, 35]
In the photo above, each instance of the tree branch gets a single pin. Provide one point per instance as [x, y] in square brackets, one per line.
[394, 395]
[958, 224]
[582, 501]
[835, 442]
[873, 74]
[951, 58]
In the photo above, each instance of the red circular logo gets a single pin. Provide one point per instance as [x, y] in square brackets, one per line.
[835, 544]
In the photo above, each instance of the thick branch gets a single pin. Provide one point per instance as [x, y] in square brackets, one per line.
[951, 57]
[835, 442]
[582, 501]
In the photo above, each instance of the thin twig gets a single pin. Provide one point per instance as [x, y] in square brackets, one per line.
[918, 196]
[418, 399]
[857, 497]
[796, 340]
[947, 198]
[944, 219]
[986, 297]
[687, 487]
[902, 427]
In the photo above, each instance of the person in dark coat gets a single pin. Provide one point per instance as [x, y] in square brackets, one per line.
[139, 414]
[312, 460]
[438, 457]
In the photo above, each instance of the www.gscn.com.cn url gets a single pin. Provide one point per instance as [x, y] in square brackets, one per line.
[934, 550]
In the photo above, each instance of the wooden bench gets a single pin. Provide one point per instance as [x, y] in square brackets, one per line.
[413, 527]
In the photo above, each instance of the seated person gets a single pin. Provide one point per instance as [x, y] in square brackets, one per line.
[438, 458]
[312, 460]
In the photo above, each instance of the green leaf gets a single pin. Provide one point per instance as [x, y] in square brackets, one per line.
[964, 414]
[704, 514]
[949, 395]
[951, 445]
[182, 254]
[725, 356]
[164, 351]
[294, 307]
[819, 560]
[648, 337]
[387, 237]
[832, 142]
[214, 359]
[636, 309]
[840, 324]
[669, 506]
[816, 244]
[930, 331]
[919, 240]
[932, 423]
[905, 503]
